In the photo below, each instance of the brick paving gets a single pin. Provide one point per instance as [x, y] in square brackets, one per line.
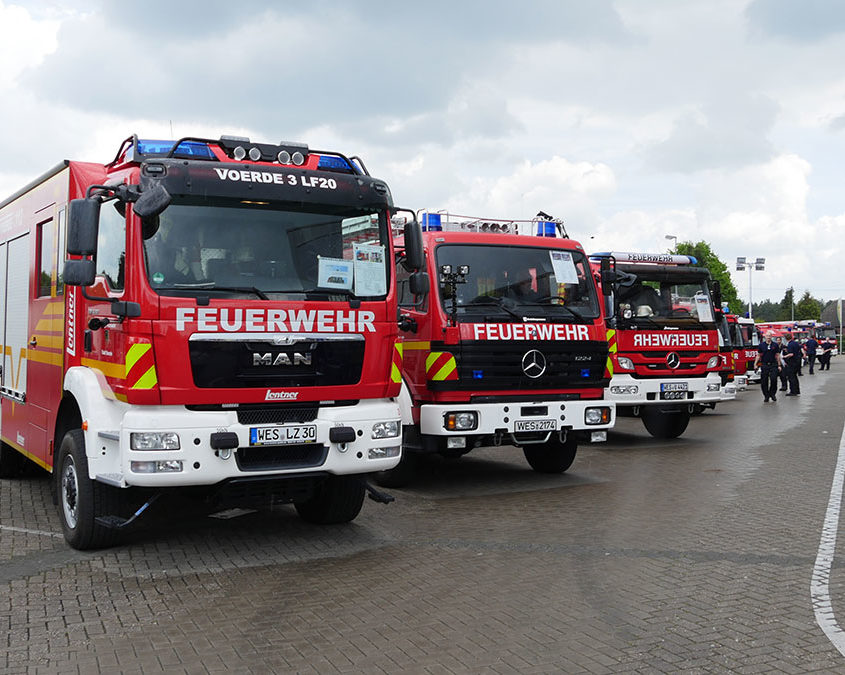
[692, 555]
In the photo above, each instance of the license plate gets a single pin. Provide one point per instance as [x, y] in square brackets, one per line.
[674, 386]
[302, 433]
[535, 425]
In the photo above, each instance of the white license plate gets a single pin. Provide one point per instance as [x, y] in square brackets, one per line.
[534, 425]
[674, 386]
[302, 433]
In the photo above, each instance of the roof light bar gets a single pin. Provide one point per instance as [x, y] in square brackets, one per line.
[658, 258]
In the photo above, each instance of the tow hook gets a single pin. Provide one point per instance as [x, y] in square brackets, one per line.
[377, 495]
[118, 523]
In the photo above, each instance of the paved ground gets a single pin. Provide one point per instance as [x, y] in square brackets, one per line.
[692, 555]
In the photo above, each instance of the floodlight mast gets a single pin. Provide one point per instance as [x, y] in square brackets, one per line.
[743, 263]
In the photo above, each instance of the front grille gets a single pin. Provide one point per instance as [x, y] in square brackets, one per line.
[274, 457]
[277, 414]
[259, 490]
[216, 364]
[498, 365]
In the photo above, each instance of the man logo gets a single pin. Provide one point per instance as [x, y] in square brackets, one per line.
[673, 360]
[281, 359]
[533, 364]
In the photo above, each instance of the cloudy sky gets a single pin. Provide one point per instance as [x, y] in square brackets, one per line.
[721, 120]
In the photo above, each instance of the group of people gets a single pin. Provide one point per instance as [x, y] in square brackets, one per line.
[783, 359]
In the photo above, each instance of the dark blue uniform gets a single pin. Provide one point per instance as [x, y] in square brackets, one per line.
[769, 367]
[810, 346]
[792, 359]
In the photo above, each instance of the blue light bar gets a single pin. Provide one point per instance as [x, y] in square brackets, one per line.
[161, 148]
[431, 222]
[546, 228]
[332, 163]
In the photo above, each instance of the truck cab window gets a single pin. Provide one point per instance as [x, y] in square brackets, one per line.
[111, 247]
[46, 239]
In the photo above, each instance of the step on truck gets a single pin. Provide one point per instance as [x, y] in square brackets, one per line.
[506, 347]
[663, 339]
[224, 325]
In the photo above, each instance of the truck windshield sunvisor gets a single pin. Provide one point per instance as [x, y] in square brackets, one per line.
[522, 281]
[222, 248]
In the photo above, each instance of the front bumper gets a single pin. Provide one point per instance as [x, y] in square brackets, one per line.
[202, 464]
[703, 390]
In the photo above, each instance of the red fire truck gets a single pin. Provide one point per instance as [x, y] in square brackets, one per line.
[508, 348]
[732, 372]
[663, 340]
[748, 339]
[225, 321]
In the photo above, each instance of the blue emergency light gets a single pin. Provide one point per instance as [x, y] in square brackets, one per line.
[332, 163]
[189, 148]
[585, 372]
[431, 222]
[478, 374]
[546, 228]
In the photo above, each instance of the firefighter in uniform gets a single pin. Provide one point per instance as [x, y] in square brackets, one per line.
[769, 362]
[792, 359]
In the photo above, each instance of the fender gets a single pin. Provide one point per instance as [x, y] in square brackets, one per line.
[406, 405]
[102, 412]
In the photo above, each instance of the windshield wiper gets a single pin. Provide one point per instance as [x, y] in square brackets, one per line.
[548, 303]
[211, 286]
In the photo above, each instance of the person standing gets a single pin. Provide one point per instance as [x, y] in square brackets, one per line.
[827, 352]
[792, 360]
[769, 362]
[782, 371]
[810, 348]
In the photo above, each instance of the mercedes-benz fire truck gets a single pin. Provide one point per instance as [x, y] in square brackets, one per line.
[738, 352]
[507, 348]
[663, 340]
[225, 321]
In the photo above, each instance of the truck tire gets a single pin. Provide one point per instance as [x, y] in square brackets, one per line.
[553, 456]
[665, 423]
[11, 462]
[338, 499]
[401, 474]
[82, 500]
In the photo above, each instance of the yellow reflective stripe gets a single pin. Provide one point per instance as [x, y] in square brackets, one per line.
[611, 342]
[417, 345]
[50, 325]
[395, 374]
[115, 370]
[135, 352]
[50, 358]
[441, 374]
[148, 380]
[399, 348]
[55, 308]
[53, 341]
[430, 359]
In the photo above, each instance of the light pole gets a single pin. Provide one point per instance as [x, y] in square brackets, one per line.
[674, 241]
[745, 264]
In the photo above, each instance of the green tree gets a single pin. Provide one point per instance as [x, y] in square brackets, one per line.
[786, 311]
[718, 270]
[808, 307]
[766, 310]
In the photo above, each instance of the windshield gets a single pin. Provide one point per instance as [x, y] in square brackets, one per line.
[268, 253]
[518, 282]
[668, 303]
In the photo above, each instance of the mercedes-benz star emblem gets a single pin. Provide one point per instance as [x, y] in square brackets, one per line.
[673, 360]
[533, 364]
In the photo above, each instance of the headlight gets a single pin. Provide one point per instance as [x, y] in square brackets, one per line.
[460, 421]
[167, 466]
[154, 440]
[714, 386]
[597, 416]
[386, 429]
[714, 362]
[384, 453]
[625, 389]
[625, 363]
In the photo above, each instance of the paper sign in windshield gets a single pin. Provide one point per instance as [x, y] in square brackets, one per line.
[334, 273]
[564, 267]
[703, 307]
[370, 277]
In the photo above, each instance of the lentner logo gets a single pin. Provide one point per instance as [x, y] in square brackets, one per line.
[70, 342]
[281, 395]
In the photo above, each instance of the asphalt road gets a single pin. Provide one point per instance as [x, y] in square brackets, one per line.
[693, 555]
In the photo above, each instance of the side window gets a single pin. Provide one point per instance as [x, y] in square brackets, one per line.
[62, 253]
[46, 248]
[403, 293]
[111, 247]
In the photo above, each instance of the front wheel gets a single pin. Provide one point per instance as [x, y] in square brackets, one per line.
[82, 500]
[665, 423]
[552, 456]
[338, 499]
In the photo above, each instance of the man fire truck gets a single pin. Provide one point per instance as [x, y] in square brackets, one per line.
[749, 339]
[508, 348]
[733, 369]
[225, 321]
[664, 345]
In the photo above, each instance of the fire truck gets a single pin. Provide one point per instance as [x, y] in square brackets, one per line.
[663, 339]
[224, 324]
[749, 338]
[733, 370]
[508, 347]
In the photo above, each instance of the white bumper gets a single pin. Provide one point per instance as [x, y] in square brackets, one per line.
[728, 392]
[201, 464]
[621, 390]
[514, 417]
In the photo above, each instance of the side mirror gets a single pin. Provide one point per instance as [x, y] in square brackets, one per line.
[608, 277]
[152, 202]
[717, 293]
[418, 283]
[83, 223]
[79, 272]
[414, 245]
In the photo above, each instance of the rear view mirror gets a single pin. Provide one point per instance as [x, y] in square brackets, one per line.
[152, 202]
[418, 283]
[79, 272]
[608, 277]
[83, 223]
[414, 257]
